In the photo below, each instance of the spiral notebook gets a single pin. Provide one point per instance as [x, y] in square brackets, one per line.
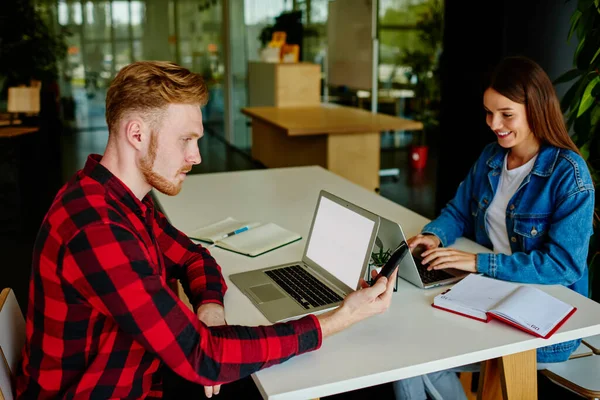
[245, 237]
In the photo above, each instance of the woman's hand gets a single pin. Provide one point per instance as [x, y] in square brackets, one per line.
[443, 257]
[427, 241]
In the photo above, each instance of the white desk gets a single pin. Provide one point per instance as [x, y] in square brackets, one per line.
[412, 338]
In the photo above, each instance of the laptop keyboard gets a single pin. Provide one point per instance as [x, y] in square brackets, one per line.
[303, 287]
[435, 275]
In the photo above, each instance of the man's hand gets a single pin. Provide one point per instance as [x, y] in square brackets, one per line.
[428, 241]
[359, 305]
[212, 314]
[442, 258]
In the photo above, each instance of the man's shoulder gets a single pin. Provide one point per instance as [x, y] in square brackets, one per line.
[81, 203]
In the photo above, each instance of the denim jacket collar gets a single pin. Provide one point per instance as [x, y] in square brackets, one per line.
[544, 164]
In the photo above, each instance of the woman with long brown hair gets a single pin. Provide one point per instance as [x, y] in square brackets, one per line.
[529, 198]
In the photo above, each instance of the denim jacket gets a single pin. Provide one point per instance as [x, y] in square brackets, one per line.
[548, 221]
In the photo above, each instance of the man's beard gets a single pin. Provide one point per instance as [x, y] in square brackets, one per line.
[153, 178]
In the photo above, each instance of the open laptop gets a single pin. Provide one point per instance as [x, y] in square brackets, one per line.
[336, 256]
[413, 271]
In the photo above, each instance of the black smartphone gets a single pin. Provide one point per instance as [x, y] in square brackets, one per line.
[392, 263]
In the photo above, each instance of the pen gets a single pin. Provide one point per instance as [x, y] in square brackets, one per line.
[239, 230]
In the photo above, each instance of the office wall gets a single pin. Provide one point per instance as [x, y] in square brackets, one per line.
[474, 40]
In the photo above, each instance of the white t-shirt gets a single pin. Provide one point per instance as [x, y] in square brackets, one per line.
[495, 217]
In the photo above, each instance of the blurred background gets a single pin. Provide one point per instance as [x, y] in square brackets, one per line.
[103, 36]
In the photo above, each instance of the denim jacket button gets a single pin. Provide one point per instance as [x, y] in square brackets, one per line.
[533, 232]
[512, 207]
[513, 239]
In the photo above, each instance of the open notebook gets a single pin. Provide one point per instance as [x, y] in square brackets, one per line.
[248, 238]
[525, 307]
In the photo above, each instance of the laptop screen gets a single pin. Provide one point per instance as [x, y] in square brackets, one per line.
[339, 241]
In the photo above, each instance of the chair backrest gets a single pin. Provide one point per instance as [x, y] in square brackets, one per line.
[12, 339]
[579, 374]
[593, 342]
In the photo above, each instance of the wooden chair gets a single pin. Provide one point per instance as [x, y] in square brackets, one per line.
[593, 342]
[582, 351]
[470, 384]
[12, 339]
[580, 374]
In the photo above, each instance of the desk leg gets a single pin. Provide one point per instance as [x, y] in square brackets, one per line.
[356, 157]
[509, 377]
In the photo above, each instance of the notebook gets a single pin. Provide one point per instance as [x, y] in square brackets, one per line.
[525, 307]
[335, 257]
[248, 238]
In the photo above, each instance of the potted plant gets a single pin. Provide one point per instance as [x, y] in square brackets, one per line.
[378, 260]
[581, 105]
[29, 49]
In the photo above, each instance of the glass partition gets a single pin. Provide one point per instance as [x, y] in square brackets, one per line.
[107, 35]
[198, 34]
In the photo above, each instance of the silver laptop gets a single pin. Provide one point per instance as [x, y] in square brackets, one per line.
[336, 256]
[413, 271]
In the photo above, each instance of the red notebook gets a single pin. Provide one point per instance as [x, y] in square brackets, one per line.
[525, 307]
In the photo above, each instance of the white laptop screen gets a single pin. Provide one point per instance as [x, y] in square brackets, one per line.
[339, 241]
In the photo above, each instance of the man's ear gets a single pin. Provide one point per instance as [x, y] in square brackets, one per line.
[136, 133]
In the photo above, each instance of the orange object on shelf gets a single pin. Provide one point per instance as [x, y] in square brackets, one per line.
[278, 39]
[290, 53]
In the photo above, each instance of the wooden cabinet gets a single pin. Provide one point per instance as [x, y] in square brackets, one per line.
[284, 84]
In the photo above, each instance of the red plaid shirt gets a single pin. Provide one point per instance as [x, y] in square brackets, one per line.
[102, 318]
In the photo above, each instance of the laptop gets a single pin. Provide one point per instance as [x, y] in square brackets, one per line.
[336, 257]
[413, 271]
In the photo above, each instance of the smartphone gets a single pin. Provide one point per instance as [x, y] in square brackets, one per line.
[393, 262]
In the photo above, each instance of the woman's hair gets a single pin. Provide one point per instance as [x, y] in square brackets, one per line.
[148, 87]
[523, 81]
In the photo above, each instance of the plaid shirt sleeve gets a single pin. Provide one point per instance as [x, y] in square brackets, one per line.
[191, 264]
[109, 265]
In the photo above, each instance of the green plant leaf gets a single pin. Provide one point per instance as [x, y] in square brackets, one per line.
[570, 120]
[578, 51]
[583, 25]
[582, 127]
[571, 99]
[585, 151]
[574, 23]
[587, 52]
[568, 76]
[595, 114]
[595, 56]
[587, 99]
[583, 5]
